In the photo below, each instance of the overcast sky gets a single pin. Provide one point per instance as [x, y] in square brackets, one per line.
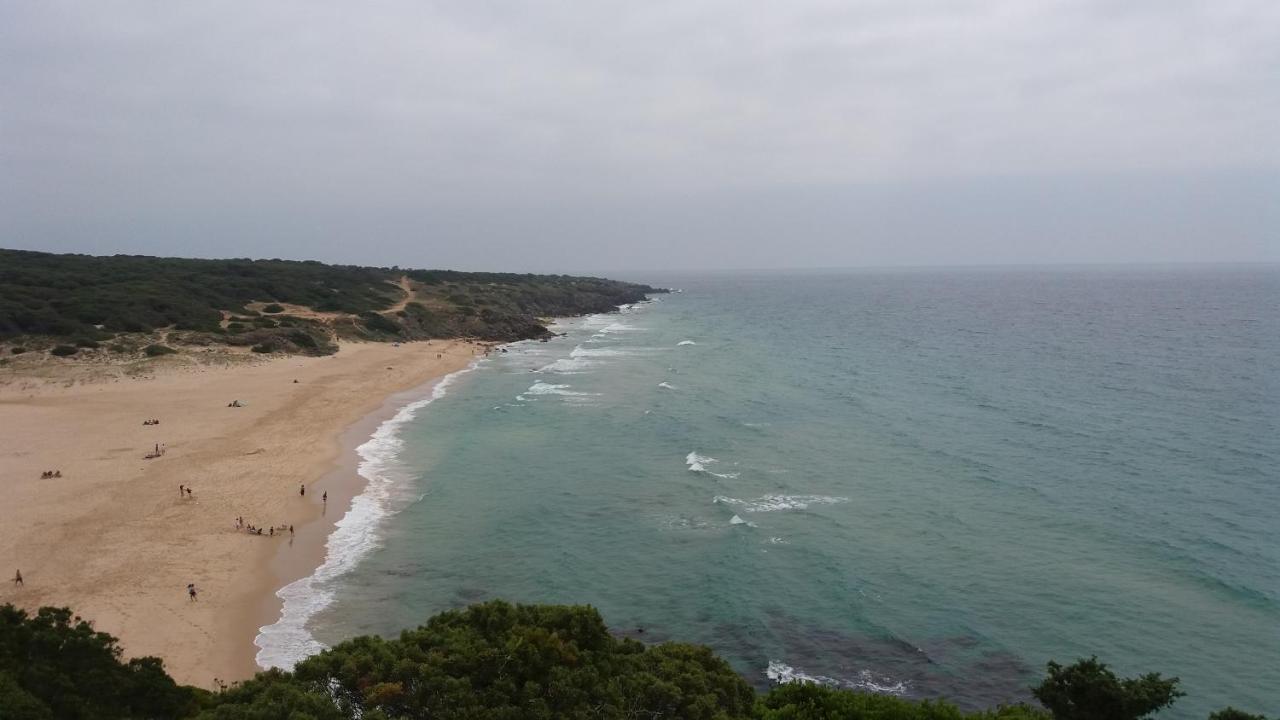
[621, 136]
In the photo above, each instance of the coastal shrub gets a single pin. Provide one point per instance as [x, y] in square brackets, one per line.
[156, 350]
[505, 661]
[17, 350]
[273, 308]
[262, 348]
[54, 665]
[493, 660]
[86, 343]
[378, 323]
[73, 296]
[1231, 713]
[302, 339]
[63, 350]
[1089, 690]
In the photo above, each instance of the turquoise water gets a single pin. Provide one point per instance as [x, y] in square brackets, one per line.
[919, 482]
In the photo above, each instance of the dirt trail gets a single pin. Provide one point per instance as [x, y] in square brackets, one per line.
[405, 286]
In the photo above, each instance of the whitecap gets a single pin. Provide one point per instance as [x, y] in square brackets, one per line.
[581, 352]
[736, 520]
[287, 641]
[698, 463]
[771, 503]
[780, 673]
[666, 385]
[686, 342]
[566, 366]
[614, 328]
[542, 388]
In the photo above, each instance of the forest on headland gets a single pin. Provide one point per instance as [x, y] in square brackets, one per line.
[72, 304]
[495, 660]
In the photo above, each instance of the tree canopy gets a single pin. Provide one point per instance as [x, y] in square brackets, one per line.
[493, 660]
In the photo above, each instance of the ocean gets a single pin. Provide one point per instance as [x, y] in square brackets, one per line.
[919, 482]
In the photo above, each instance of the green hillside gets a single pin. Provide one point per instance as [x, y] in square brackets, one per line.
[280, 305]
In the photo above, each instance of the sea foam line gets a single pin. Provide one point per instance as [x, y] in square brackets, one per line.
[287, 641]
[782, 673]
[771, 503]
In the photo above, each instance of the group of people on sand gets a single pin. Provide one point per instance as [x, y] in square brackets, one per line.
[234, 403]
[184, 491]
[50, 474]
[151, 422]
[269, 532]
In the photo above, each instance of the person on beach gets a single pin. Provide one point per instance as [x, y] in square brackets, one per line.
[182, 491]
[188, 493]
[302, 490]
[324, 498]
[17, 579]
[290, 531]
[191, 591]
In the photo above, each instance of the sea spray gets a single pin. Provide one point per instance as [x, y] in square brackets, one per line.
[287, 641]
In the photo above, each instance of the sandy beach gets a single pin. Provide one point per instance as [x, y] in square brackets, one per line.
[115, 540]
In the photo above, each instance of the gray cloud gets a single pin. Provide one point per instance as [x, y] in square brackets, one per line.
[556, 135]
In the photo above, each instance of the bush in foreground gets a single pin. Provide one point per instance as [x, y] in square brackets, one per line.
[493, 660]
[54, 665]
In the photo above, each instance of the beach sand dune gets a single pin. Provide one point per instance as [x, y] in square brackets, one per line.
[113, 538]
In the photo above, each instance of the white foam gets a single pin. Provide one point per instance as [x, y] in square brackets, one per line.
[543, 389]
[686, 342]
[667, 385]
[698, 463]
[772, 503]
[566, 366]
[581, 360]
[287, 641]
[736, 520]
[580, 351]
[780, 673]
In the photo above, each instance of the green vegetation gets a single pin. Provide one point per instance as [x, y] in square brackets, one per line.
[493, 660]
[156, 350]
[64, 350]
[1088, 690]
[81, 297]
[54, 665]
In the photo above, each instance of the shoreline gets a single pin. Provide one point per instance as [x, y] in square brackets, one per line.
[344, 484]
[110, 540]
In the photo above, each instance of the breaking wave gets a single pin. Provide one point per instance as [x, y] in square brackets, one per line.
[287, 641]
[771, 503]
[782, 673]
[698, 463]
